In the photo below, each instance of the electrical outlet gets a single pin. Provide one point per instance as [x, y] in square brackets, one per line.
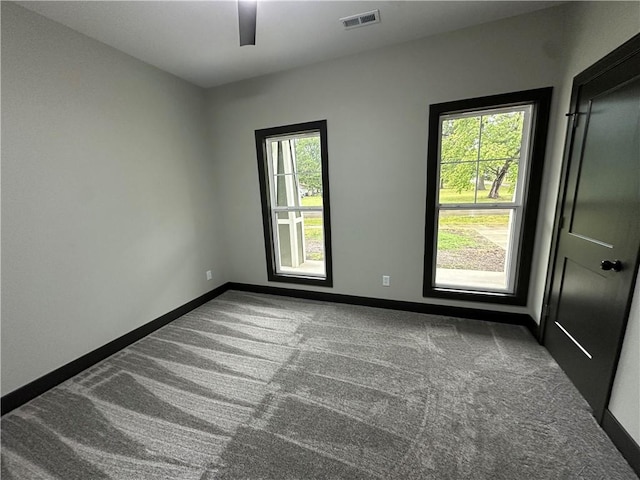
[209, 276]
[386, 280]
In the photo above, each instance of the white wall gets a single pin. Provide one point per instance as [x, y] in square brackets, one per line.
[376, 105]
[109, 215]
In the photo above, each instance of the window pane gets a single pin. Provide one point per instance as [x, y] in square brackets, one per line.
[473, 248]
[500, 151]
[301, 243]
[309, 169]
[449, 195]
[313, 236]
[460, 139]
[480, 156]
[285, 183]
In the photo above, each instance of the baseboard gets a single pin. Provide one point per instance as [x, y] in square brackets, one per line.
[622, 440]
[463, 312]
[31, 390]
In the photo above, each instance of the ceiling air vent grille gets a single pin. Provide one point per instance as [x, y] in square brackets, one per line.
[360, 20]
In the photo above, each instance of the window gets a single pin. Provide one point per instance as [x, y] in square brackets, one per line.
[294, 187]
[484, 168]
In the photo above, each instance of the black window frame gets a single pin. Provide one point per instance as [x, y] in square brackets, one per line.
[261, 137]
[541, 100]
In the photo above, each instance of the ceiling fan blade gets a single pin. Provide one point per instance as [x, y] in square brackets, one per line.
[247, 19]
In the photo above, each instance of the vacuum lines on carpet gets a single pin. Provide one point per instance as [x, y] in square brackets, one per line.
[253, 386]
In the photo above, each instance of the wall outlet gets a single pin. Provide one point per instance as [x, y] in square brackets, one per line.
[209, 276]
[386, 280]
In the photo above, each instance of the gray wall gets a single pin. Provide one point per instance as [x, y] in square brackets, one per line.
[109, 214]
[592, 30]
[119, 190]
[625, 397]
[376, 105]
[595, 29]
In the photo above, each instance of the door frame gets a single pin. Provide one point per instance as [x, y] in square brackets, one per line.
[613, 59]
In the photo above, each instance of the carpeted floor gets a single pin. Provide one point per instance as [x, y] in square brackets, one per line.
[261, 387]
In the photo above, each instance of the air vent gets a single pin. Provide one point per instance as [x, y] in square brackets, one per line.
[360, 20]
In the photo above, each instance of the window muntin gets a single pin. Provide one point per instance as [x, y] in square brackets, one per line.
[484, 172]
[294, 186]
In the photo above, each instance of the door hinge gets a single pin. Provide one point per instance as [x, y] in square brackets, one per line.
[561, 223]
[545, 311]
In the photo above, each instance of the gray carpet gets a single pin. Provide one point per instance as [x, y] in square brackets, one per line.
[261, 387]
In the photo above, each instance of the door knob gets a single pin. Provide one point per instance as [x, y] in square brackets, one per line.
[616, 265]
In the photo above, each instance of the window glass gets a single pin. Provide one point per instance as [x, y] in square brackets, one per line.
[473, 248]
[294, 186]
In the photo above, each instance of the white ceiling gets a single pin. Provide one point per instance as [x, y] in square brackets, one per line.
[198, 40]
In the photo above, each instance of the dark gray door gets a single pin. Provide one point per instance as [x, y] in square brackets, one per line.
[599, 240]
